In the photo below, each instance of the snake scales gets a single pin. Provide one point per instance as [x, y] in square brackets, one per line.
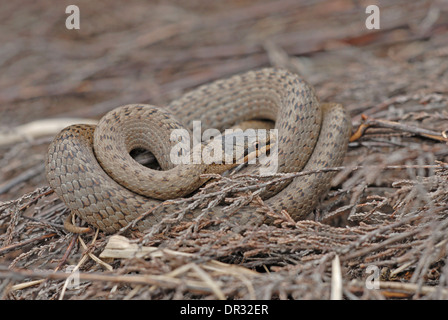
[311, 136]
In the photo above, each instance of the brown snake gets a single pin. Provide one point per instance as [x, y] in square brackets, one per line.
[311, 136]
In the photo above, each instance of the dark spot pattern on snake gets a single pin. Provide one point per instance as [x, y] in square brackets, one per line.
[89, 167]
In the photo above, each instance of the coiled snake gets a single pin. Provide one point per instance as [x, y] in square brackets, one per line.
[311, 136]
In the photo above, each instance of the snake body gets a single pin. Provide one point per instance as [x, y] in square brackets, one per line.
[311, 136]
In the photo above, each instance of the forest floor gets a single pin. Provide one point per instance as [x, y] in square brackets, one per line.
[385, 218]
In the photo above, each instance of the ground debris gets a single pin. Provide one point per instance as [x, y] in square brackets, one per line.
[386, 214]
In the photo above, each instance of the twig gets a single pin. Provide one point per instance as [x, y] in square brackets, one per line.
[336, 279]
[369, 122]
[67, 252]
[39, 128]
[158, 280]
[410, 288]
[16, 246]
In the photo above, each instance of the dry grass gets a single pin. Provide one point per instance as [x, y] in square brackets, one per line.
[388, 205]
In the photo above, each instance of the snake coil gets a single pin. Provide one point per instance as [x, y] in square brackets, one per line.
[311, 136]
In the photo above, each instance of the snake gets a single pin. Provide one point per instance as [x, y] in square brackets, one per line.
[90, 168]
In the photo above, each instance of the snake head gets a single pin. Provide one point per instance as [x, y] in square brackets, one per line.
[239, 147]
